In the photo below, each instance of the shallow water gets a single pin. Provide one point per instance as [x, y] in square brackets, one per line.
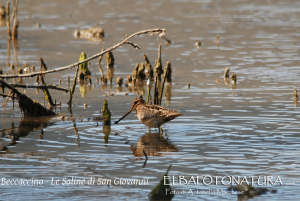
[251, 130]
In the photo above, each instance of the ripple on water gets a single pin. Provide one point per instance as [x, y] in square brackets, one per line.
[249, 130]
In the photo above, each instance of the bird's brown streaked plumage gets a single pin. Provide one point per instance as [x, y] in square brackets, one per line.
[152, 116]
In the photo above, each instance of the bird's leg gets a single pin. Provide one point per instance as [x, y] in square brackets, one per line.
[160, 130]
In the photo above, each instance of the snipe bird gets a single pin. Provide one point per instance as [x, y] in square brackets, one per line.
[152, 116]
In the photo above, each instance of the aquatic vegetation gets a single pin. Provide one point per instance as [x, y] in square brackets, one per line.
[135, 71]
[168, 72]
[84, 71]
[158, 71]
[106, 113]
[149, 70]
[2, 12]
[162, 190]
[233, 80]
[296, 97]
[110, 60]
[248, 191]
[226, 73]
[217, 40]
[149, 92]
[119, 81]
[128, 81]
[92, 34]
[198, 44]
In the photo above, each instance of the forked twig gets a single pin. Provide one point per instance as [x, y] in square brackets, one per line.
[37, 87]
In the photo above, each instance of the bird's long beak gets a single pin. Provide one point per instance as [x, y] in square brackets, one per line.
[116, 122]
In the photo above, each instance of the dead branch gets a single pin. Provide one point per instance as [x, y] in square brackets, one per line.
[8, 95]
[46, 92]
[99, 63]
[37, 87]
[8, 19]
[145, 159]
[27, 105]
[15, 19]
[135, 46]
[73, 88]
[5, 95]
[166, 39]
[160, 32]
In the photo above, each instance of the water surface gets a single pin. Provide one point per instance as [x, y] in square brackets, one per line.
[250, 130]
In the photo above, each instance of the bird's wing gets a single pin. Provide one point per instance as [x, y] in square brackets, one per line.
[149, 111]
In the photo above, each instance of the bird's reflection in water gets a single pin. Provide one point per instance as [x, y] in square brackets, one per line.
[154, 144]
